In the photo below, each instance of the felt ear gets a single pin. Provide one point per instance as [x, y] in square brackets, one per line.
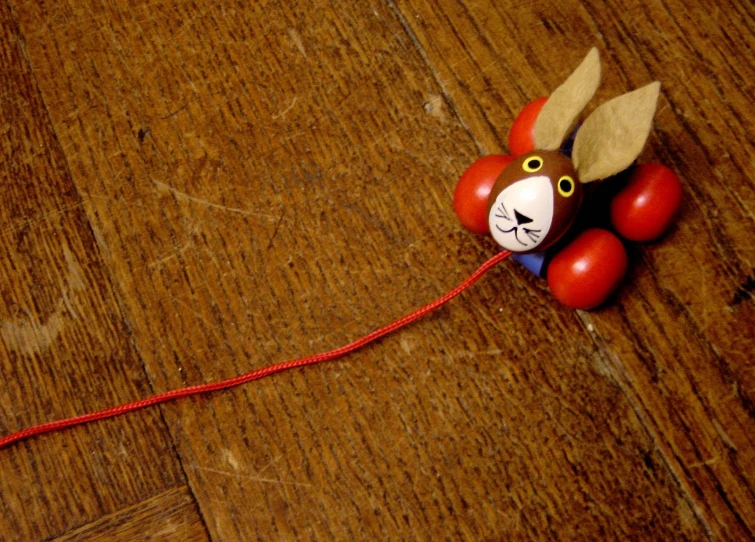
[557, 117]
[613, 136]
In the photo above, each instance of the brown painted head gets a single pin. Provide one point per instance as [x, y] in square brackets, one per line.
[536, 198]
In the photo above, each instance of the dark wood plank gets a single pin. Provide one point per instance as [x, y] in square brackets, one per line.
[679, 341]
[64, 347]
[267, 181]
[169, 516]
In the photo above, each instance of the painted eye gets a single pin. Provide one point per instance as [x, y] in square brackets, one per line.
[532, 164]
[566, 186]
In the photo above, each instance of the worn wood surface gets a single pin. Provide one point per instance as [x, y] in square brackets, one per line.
[194, 189]
[65, 346]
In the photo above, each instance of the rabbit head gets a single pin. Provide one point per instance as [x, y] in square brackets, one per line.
[536, 198]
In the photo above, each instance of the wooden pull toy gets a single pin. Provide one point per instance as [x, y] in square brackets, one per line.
[532, 202]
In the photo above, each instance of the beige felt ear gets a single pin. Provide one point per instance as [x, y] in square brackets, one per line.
[614, 135]
[557, 117]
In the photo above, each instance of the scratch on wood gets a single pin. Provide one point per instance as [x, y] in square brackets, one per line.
[405, 344]
[289, 108]
[187, 197]
[434, 107]
[725, 438]
[705, 463]
[296, 38]
[76, 280]
[275, 231]
[170, 255]
[31, 335]
[251, 479]
[230, 459]
[39, 218]
[176, 112]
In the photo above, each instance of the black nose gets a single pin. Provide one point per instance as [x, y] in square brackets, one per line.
[521, 219]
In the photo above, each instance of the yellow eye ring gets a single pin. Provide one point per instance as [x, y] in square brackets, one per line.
[532, 164]
[566, 186]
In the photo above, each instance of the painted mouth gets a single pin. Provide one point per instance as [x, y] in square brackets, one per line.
[515, 229]
[533, 235]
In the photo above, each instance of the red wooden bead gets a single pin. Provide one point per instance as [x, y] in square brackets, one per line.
[588, 270]
[645, 208]
[473, 189]
[522, 134]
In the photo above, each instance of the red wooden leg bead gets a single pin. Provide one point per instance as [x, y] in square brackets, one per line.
[522, 134]
[473, 189]
[588, 270]
[645, 208]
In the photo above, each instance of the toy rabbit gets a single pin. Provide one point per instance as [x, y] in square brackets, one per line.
[534, 199]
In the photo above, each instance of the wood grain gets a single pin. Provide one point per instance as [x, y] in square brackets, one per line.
[680, 340]
[64, 348]
[259, 182]
[166, 517]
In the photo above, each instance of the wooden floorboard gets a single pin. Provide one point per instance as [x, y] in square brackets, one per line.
[65, 348]
[237, 184]
[679, 340]
[169, 516]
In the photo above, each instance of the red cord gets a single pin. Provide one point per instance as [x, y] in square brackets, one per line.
[259, 373]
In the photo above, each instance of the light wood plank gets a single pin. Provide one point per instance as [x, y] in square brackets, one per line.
[64, 346]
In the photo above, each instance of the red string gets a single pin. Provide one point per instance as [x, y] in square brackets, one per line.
[256, 374]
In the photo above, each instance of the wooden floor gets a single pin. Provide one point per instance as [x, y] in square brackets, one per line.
[192, 189]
